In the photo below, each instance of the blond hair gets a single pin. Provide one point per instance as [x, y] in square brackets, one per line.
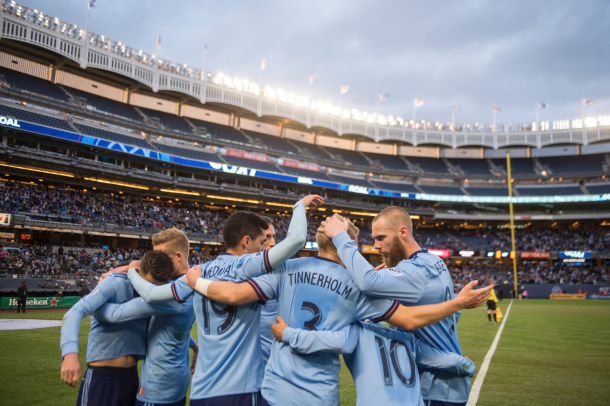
[326, 245]
[396, 217]
[175, 240]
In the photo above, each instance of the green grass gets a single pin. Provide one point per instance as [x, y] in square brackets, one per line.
[550, 353]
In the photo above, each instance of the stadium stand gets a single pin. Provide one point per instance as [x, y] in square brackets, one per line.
[598, 188]
[104, 105]
[472, 166]
[312, 150]
[249, 163]
[351, 158]
[399, 187]
[571, 165]
[112, 136]
[390, 162]
[441, 190]
[273, 143]
[549, 191]
[220, 132]
[310, 174]
[171, 122]
[192, 153]
[486, 191]
[351, 181]
[33, 84]
[518, 166]
[35, 118]
[431, 165]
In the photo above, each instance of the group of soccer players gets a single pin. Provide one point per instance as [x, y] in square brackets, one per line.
[287, 354]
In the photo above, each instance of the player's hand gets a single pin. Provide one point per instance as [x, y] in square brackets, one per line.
[333, 226]
[470, 298]
[380, 267]
[314, 200]
[192, 275]
[71, 369]
[195, 349]
[278, 328]
[120, 269]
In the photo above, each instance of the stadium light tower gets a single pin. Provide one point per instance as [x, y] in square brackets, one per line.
[453, 110]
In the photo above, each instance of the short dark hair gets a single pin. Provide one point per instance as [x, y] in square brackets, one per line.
[241, 224]
[269, 220]
[158, 264]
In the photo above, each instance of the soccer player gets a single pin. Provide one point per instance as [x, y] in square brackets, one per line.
[229, 368]
[492, 302]
[165, 371]
[317, 293]
[383, 362]
[113, 349]
[269, 310]
[414, 277]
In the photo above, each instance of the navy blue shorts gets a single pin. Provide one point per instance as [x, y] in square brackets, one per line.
[179, 403]
[244, 399]
[439, 403]
[108, 386]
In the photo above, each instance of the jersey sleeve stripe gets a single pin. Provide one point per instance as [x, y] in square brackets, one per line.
[387, 314]
[267, 263]
[259, 292]
[176, 293]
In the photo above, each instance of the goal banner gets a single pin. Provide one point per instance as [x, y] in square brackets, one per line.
[40, 302]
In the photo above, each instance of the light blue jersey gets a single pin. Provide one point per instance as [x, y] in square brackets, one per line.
[106, 341]
[230, 361]
[422, 279]
[384, 363]
[316, 294]
[166, 371]
[268, 315]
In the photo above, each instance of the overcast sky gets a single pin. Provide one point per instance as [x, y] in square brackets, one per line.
[467, 53]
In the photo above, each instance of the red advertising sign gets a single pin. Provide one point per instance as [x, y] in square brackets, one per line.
[535, 254]
[247, 155]
[301, 165]
[440, 252]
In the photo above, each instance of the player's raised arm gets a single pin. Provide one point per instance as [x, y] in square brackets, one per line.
[297, 232]
[430, 357]
[343, 341]
[134, 309]
[412, 318]
[71, 369]
[150, 292]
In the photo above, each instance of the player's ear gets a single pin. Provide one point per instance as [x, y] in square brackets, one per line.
[245, 242]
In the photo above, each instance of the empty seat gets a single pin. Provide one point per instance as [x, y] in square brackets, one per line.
[599, 188]
[472, 166]
[568, 165]
[35, 118]
[33, 84]
[398, 187]
[351, 181]
[221, 132]
[112, 136]
[518, 166]
[391, 162]
[249, 163]
[104, 105]
[184, 151]
[273, 142]
[306, 173]
[441, 190]
[351, 158]
[429, 165]
[170, 121]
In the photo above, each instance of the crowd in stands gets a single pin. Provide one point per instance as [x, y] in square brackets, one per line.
[556, 239]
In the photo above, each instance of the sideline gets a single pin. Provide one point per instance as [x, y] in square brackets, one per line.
[478, 383]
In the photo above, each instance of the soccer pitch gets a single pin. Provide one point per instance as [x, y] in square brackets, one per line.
[550, 353]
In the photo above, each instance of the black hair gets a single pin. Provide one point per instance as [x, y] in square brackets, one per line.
[241, 224]
[158, 264]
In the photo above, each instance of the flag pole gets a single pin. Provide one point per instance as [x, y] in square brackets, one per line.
[512, 220]
[205, 59]
[453, 118]
[83, 63]
[377, 104]
[414, 113]
[537, 120]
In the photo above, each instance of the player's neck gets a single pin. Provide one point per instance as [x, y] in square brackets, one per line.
[332, 257]
[411, 247]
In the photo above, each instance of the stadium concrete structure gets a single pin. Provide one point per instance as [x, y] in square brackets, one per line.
[97, 112]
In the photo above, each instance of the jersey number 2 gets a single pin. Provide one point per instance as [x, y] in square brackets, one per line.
[228, 312]
[385, 362]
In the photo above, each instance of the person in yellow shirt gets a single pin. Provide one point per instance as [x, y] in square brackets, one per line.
[491, 305]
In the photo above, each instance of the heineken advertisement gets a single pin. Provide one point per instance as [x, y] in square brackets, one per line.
[40, 302]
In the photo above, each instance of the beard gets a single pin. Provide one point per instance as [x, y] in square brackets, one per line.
[397, 253]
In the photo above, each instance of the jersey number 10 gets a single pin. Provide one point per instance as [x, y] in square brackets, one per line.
[385, 362]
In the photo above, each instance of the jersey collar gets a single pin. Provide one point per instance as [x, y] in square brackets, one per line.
[225, 253]
[326, 259]
[414, 255]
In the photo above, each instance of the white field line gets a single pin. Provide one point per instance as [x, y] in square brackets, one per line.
[478, 383]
